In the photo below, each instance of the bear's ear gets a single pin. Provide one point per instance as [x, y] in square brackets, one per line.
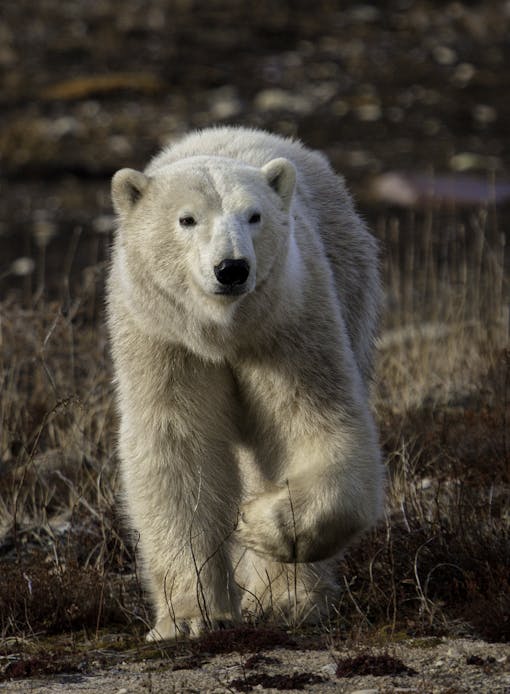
[281, 176]
[127, 188]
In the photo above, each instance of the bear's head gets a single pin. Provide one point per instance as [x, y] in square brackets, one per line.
[204, 231]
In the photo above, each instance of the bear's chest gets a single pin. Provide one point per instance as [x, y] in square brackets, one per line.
[272, 398]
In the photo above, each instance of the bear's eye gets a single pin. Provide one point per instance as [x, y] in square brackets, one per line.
[255, 218]
[187, 221]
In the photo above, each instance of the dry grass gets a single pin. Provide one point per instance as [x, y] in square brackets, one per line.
[61, 546]
[439, 564]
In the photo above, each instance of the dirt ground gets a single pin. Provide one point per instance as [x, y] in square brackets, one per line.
[421, 665]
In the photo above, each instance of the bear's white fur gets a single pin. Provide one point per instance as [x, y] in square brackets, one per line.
[248, 451]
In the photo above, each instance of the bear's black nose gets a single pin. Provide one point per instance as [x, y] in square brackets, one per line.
[232, 272]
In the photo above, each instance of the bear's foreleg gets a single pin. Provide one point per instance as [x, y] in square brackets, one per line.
[331, 491]
[182, 488]
[183, 534]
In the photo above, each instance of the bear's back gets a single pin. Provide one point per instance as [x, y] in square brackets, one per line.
[254, 148]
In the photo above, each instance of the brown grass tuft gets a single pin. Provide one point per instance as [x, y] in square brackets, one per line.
[39, 596]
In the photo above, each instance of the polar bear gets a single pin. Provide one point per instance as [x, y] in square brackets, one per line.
[243, 297]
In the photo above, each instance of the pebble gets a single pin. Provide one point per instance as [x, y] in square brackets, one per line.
[444, 55]
[364, 13]
[224, 103]
[279, 99]
[22, 267]
[120, 144]
[369, 112]
[464, 73]
[104, 224]
[484, 114]
[43, 231]
[464, 161]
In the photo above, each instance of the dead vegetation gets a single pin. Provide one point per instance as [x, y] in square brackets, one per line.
[438, 564]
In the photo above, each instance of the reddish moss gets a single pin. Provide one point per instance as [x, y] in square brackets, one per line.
[375, 665]
[298, 680]
[37, 666]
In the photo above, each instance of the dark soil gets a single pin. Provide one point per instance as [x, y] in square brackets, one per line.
[243, 640]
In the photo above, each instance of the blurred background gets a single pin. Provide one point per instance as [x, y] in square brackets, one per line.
[410, 99]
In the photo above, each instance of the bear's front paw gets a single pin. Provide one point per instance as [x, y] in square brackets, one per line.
[297, 523]
[168, 629]
[171, 629]
[271, 525]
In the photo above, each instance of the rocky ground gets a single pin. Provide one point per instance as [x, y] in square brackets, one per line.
[423, 665]
[419, 665]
